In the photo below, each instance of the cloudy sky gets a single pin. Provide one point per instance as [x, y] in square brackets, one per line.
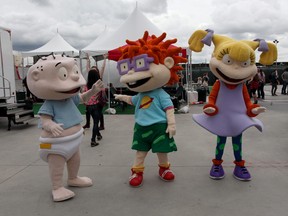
[35, 22]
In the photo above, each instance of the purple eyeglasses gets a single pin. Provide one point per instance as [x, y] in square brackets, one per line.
[139, 63]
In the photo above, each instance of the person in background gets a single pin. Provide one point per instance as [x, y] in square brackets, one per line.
[260, 90]
[254, 85]
[199, 80]
[205, 82]
[100, 74]
[93, 107]
[284, 77]
[274, 79]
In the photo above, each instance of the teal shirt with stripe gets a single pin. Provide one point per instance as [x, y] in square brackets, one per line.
[151, 106]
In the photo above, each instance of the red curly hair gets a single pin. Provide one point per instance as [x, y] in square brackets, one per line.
[158, 49]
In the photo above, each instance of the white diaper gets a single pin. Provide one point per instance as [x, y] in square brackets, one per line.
[65, 146]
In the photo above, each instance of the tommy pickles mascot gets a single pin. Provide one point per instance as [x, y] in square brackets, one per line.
[145, 66]
[58, 80]
[229, 110]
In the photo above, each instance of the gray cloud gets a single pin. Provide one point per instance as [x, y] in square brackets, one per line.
[34, 22]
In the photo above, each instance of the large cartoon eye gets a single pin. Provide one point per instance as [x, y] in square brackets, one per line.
[62, 73]
[75, 70]
[123, 67]
[140, 63]
[246, 63]
[227, 60]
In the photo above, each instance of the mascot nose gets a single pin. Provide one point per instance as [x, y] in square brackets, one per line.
[75, 77]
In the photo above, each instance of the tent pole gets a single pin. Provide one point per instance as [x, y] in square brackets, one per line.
[109, 98]
[80, 53]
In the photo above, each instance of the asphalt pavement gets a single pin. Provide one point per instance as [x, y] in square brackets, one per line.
[25, 188]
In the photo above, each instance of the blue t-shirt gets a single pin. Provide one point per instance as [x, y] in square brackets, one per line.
[63, 111]
[150, 107]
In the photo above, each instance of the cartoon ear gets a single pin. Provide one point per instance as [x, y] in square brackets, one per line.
[35, 75]
[169, 62]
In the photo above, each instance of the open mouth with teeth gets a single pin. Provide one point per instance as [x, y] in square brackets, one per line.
[138, 83]
[228, 78]
[72, 91]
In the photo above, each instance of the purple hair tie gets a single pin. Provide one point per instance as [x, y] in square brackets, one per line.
[208, 38]
[263, 46]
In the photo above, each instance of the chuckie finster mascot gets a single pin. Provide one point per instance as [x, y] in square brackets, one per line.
[145, 66]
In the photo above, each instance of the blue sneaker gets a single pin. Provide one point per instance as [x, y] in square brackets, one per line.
[241, 173]
[217, 172]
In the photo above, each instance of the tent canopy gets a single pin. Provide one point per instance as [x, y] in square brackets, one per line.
[56, 45]
[133, 29]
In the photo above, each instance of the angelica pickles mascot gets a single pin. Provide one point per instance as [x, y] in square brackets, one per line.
[58, 80]
[229, 110]
[145, 67]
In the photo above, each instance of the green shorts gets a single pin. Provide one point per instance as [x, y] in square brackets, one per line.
[153, 137]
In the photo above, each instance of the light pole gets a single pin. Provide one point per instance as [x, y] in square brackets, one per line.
[276, 42]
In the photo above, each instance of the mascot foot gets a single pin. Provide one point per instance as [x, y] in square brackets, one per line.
[62, 194]
[217, 172]
[136, 179]
[166, 174]
[80, 182]
[241, 173]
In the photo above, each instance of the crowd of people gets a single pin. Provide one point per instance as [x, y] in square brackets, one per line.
[256, 85]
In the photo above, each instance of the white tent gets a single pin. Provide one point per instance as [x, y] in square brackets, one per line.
[133, 29]
[90, 49]
[56, 45]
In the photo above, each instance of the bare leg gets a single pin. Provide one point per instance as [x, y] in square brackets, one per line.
[139, 160]
[163, 159]
[56, 168]
[74, 180]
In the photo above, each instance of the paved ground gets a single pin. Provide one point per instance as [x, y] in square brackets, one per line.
[25, 185]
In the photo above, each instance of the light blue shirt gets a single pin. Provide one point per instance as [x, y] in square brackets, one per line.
[150, 107]
[63, 111]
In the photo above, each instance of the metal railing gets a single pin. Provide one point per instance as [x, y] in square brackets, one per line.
[4, 87]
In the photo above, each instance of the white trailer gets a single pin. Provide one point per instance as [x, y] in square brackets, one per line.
[18, 113]
[7, 73]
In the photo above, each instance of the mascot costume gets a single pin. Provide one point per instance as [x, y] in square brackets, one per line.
[58, 80]
[145, 66]
[229, 110]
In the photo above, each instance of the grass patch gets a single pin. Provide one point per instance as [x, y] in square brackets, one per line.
[127, 110]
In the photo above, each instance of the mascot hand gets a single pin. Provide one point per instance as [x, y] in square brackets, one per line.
[126, 98]
[258, 110]
[54, 128]
[97, 86]
[171, 129]
[209, 110]
[119, 97]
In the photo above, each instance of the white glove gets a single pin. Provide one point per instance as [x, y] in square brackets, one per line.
[209, 110]
[97, 86]
[258, 110]
[171, 128]
[94, 90]
[125, 98]
[55, 128]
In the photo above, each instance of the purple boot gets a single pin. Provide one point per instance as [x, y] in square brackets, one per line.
[240, 171]
[217, 171]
